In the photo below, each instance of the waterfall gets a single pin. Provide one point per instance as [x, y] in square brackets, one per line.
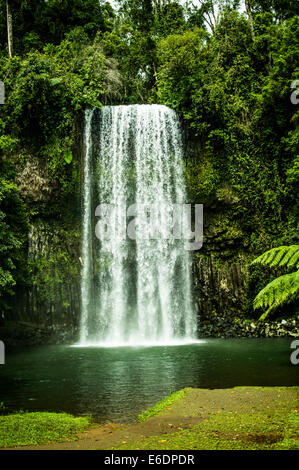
[86, 278]
[134, 290]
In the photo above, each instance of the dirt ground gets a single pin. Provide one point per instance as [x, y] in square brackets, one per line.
[195, 407]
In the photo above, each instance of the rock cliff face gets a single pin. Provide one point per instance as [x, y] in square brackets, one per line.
[50, 304]
[51, 301]
[220, 267]
[219, 286]
[35, 184]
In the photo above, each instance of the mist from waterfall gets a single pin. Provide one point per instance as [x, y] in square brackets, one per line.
[134, 292]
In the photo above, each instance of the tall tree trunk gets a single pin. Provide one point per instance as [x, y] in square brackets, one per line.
[250, 17]
[9, 29]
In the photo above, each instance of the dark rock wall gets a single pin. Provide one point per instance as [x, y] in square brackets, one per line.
[219, 288]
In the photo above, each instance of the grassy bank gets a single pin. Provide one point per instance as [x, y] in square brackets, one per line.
[239, 418]
[268, 421]
[162, 405]
[23, 429]
[229, 432]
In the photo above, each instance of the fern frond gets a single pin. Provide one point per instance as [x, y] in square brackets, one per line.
[281, 256]
[281, 290]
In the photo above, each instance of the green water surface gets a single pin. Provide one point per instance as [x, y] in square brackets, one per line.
[116, 384]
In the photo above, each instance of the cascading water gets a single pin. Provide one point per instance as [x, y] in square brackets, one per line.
[134, 290]
[86, 238]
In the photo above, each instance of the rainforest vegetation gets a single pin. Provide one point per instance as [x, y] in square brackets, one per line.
[228, 68]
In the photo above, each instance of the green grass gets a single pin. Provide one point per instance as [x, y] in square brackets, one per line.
[269, 427]
[163, 404]
[23, 429]
[230, 431]
[291, 435]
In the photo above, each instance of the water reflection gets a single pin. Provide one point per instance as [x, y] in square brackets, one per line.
[117, 383]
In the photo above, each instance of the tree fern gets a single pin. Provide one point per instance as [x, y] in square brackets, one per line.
[282, 256]
[283, 289]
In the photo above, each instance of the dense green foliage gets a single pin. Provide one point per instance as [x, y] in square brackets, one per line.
[285, 288]
[227, 70]
[13, 230]
[39, 22]
[281, 256]
[235, 93]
